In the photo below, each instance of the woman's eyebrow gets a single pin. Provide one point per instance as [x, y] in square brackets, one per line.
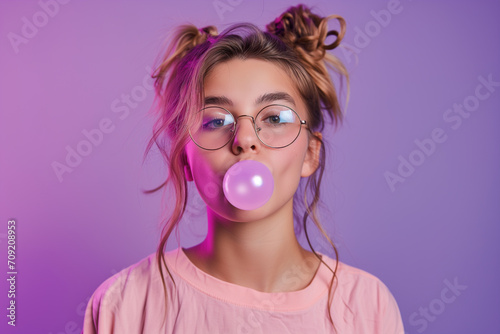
[267, 98]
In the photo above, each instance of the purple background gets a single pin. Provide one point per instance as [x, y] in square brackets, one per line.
[441, 223]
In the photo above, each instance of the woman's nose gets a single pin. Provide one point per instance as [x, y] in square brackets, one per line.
[245, 138]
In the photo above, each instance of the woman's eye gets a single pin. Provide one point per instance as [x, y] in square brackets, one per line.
[218, 122]
[274, 119]
[279, 118]
[214, 123]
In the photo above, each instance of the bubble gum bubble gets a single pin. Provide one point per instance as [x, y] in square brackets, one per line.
[248, 184]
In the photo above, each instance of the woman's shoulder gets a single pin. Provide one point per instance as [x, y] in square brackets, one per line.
[134, 276]
[141, 275]
[353, 277]
[125, 299]
[364, 299]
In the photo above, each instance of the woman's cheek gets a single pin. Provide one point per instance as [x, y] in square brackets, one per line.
[209, 182]
[287, 176]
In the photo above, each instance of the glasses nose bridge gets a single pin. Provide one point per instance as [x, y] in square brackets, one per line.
[237, 121]
[251, 117]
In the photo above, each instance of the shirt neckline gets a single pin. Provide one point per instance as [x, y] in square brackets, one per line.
[248, 297]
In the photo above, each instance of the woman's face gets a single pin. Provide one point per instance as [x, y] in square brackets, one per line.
[242, 82]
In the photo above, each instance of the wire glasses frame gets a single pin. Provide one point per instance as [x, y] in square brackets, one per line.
[235, 123]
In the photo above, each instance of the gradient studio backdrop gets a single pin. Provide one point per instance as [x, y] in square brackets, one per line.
[431, 234]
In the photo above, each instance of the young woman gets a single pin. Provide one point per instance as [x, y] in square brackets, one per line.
[223, 99]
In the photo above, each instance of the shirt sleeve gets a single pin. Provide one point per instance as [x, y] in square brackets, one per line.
[118, 305]
[131, 301]
[390, 316]
[366, 305]
[100, 314]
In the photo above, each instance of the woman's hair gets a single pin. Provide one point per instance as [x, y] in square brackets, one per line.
[295, 41]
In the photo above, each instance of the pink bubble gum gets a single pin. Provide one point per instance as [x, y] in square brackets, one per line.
[248, 184]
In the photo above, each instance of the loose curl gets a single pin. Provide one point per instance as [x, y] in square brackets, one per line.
[295, 42]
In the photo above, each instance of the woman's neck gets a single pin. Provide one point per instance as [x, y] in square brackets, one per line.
[264, 255]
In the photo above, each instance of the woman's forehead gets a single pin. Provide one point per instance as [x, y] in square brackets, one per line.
[253, 81]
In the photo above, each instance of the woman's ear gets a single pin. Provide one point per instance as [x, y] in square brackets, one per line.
[311, 161]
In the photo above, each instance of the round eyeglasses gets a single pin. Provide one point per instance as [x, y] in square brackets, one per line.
[276, 126]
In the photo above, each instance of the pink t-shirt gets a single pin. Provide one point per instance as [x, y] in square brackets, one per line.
[133, 301]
